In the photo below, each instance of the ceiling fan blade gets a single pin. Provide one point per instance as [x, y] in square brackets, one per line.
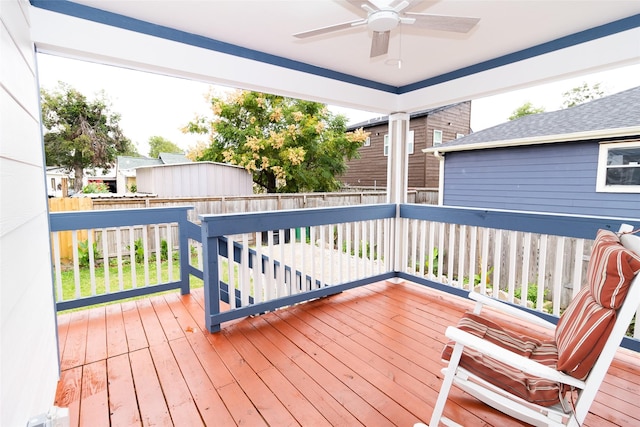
[457, 24]
[399, 6]
[330, 28]
[360, 3]
[379, 43]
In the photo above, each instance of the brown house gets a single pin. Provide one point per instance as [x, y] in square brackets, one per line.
[429, 128]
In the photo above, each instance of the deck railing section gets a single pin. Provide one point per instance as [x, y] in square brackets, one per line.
[118, 254]
[537, 261]
[258, 262]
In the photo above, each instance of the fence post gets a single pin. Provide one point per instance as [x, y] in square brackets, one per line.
[210, 252]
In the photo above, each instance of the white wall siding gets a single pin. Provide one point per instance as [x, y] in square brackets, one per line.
[28, 352]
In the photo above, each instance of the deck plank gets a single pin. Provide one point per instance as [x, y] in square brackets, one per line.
[174, 387]
[367, 356]
[152, 328]
[170, 325]
[134, 331]
[76, 343]
[208, 401]
[68, 393]
[97, 339]
[123, 406]
[117, 336]
[94, 409]
[153, 408]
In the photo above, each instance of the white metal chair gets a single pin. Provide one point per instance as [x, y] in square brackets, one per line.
[528, 383]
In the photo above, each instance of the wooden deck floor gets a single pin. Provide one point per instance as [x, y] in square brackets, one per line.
[369, 356]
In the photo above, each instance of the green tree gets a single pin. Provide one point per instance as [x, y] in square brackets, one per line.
[289, 145]
[525, 109]
[581, 94]
[80, 133]
[158, 144]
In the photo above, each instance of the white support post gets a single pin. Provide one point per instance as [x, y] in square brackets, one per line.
[397, 176]
[398, 160]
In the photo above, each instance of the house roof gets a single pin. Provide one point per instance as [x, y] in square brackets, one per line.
[385, 119]
[172, 158]
[615, 116]
[127, 162]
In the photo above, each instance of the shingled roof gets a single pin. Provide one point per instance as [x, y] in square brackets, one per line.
[385, 119]
[614, 112]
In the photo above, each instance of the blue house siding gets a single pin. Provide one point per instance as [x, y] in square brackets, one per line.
[558, 178]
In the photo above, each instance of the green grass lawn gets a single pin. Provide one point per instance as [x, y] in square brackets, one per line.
[69, 286]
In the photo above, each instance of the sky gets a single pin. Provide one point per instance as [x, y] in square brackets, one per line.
[155, 105]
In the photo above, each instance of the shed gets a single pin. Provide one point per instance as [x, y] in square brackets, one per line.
[197, 179]
[126, 168]
[580, 160]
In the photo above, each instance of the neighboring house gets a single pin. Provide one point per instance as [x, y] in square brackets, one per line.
[58, 179]
[126, 168]
[99, 175]
[581, 160]
[428, 128]
[195, 179]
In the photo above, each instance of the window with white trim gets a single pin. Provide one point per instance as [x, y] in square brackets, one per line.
[459, 135]
[367, 142]
[410, 143]
[437, 137]
[619, 167]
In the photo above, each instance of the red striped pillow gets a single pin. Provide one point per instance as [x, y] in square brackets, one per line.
[611, 269]
[581, 333]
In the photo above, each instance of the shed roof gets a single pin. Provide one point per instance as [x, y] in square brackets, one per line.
[614, 115]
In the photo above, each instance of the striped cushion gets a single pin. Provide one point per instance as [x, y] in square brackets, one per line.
[582, 332]
[611, 269]
[583, 329]
[540, 391]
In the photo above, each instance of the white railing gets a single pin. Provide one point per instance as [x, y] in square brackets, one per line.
[540, 271]
[297, 260]
[260, 262]
[101, 256]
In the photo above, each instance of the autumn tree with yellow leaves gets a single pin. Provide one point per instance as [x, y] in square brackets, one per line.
[289, 145]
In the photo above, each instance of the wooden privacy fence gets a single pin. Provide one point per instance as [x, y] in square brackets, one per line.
[68, 204]
[264, 202]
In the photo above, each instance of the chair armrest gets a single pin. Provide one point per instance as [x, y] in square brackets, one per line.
[508, 309]
[503, 355]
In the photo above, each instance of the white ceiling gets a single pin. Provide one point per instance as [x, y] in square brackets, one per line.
[515, 44]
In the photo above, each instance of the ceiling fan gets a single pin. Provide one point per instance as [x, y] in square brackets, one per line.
[382, 19]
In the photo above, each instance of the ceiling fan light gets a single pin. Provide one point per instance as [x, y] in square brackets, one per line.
[383, 20]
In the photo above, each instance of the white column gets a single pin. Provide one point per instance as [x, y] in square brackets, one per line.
[398, 160]
[397, 178]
